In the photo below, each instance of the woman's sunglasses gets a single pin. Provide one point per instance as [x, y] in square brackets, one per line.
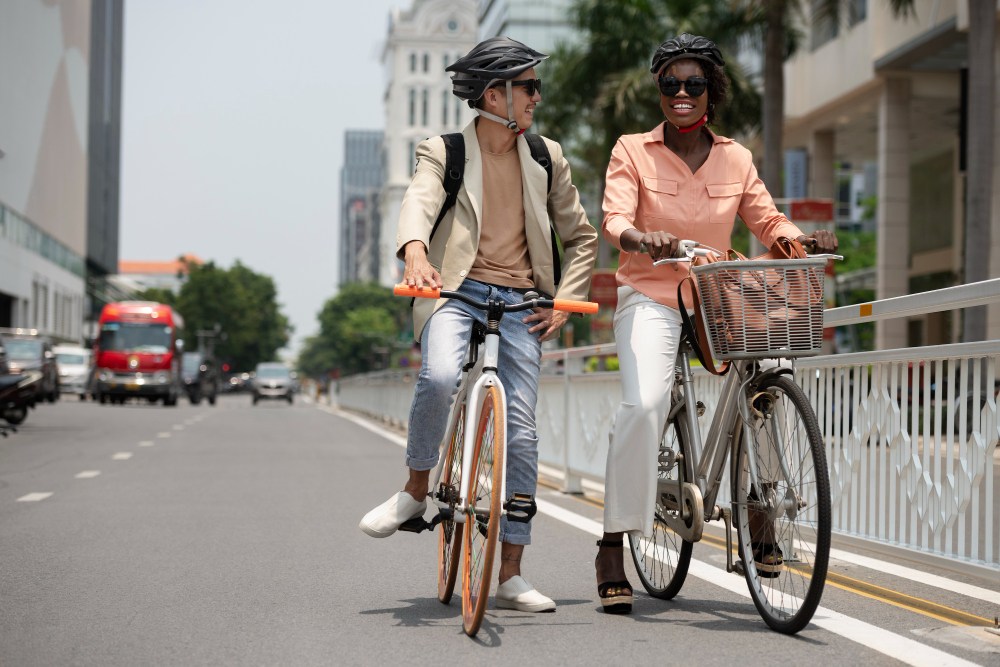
[671, 85]
[530, 85]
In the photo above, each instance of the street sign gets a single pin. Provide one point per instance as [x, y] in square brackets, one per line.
[604, 287]
[811, 210]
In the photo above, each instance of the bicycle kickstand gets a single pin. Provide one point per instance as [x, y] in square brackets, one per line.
[737, 567]
[418, 524]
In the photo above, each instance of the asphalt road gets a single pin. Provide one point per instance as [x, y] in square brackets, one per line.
[227, 535]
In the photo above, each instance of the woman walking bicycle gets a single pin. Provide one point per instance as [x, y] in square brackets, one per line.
[678, 181]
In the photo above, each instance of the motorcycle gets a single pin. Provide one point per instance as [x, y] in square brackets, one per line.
[18, 392]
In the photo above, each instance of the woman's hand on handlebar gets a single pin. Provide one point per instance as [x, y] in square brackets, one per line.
[822, 242]
[658, 245]
[418, 272]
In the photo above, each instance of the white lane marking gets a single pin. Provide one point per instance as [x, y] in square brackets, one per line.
[904, 572]
[87, 474]
[33, 497]
[891, 644]
[163, 434]
[122, 456]
[896, 646]
[178, 427]
[146, 443]
[364, 423]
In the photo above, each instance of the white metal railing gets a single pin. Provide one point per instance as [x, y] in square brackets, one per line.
[911, 434]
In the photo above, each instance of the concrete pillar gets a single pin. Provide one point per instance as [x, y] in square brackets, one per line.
[893, 221]
[821, 164]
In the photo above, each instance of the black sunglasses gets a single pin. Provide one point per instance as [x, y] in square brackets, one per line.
[531, 85]
[671, 85]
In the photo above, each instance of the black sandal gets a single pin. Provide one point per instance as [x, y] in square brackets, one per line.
[616, 596]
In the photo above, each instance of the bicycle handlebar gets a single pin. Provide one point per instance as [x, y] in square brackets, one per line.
[556, 304]
[688, 250]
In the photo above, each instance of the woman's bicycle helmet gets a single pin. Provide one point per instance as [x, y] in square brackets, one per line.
[490, 62]
[683, 46]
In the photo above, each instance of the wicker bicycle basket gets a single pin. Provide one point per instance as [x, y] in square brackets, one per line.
[762, 308]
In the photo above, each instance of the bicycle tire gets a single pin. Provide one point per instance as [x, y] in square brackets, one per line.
[448, 492]
[786, 589]
[482, 519]
[662, 561]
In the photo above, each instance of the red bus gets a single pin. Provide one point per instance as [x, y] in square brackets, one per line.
[138, 353]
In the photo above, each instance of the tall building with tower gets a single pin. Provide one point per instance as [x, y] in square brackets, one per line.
[421, 42]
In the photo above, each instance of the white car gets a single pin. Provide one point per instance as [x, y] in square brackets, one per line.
[74, 369]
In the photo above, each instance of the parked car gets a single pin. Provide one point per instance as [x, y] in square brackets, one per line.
[201, 377]
[18, 391]
[28, 351]
[273, 380]
[74, 369]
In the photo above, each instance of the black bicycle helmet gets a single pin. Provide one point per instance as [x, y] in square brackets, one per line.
[492, 60]
[686, 45]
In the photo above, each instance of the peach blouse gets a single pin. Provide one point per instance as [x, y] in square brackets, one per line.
[649, 188]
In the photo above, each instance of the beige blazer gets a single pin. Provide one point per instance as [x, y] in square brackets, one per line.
[456, 240]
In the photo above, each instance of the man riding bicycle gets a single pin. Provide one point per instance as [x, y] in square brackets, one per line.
[495, 242]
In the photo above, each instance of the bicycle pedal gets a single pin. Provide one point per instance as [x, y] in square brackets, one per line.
[416, 525]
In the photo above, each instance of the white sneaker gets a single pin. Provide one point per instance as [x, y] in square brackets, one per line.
[386, 519]
[516, 593]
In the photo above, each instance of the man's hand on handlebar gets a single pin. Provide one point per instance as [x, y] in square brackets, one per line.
[418, 272]
[547, 322]
[822, 242]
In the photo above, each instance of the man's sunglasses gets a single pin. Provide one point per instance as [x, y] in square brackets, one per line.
[531, 85]
[671, 85]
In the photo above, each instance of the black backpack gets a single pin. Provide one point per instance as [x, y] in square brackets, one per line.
[454, 172]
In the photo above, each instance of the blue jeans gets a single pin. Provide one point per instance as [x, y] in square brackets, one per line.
[443, 346]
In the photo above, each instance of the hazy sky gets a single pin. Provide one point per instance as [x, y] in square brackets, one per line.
[233, 118]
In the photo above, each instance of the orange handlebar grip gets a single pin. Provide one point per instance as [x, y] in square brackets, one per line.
[575, 306]
[420, 292]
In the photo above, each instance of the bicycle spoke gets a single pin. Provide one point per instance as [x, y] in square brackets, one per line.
[662, 559]
[783, 513]
[448, 492]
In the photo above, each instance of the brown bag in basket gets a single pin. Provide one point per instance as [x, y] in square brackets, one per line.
[753, 310]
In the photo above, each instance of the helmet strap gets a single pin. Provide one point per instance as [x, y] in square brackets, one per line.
[692, 128]
[508, 122]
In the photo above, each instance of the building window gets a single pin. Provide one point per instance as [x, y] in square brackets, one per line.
[445, 60]
[413, 107]
[411, 155]
[427, 62]
[444, 108]
[423, 108]
[824, 27]
[413, 62]
[458, 110]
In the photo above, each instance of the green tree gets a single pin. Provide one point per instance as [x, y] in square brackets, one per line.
[244, 305]
[362, 328]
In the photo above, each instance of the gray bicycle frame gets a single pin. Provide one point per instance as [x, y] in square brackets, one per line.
[706, 469]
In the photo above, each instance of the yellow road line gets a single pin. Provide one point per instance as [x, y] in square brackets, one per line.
[851, 585]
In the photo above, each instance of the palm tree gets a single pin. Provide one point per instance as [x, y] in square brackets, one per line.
[979, 158]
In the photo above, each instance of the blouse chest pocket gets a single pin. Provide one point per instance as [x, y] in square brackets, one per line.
[724, 202]
[659, 198]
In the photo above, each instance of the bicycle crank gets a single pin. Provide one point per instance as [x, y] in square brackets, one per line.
[687, 517]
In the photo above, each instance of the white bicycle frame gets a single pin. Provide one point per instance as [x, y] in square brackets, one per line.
[484, 372]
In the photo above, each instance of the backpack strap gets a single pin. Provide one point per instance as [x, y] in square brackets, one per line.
[540, 154]
[454, 171]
